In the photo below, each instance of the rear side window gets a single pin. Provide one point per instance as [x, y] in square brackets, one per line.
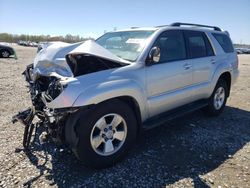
[198, 44]
[172, 46]
[224, 42]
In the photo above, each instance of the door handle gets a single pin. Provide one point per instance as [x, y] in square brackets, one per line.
[187, 66]
[212, 61]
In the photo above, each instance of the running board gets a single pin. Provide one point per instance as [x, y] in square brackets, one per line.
[173, 114]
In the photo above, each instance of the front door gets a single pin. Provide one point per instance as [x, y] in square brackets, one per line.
[168, 80]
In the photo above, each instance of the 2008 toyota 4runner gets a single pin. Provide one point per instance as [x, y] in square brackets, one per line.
[95, 96]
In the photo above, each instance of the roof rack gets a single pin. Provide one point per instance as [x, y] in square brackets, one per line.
[178, 24]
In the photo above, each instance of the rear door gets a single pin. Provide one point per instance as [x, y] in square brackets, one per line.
[202, 55]
[203, 60]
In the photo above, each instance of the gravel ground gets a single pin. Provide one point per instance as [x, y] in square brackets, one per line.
[193, 151]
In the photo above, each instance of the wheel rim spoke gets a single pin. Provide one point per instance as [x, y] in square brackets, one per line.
[5, 54]
[97, 140]
[108, 147]
[116, 121]
[101, 124]
[119, 135]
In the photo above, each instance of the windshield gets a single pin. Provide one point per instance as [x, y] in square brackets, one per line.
[126, 44]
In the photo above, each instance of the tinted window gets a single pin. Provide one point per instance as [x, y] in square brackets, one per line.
[225, 42]
[172, 46]
[196, 43]
[210, 51]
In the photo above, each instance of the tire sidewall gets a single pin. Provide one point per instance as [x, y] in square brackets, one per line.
[85, 124]
[211, 108]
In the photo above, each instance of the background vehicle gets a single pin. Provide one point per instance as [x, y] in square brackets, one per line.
[6, 51]
[242, 50]
[43, 45]
[98, 98]
[245, 50]
[239, 50]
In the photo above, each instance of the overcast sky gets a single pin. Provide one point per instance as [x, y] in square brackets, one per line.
[92, 17]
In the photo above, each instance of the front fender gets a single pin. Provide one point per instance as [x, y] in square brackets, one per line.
[112, 89]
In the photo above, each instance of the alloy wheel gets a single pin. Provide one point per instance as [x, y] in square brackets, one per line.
[219, 98]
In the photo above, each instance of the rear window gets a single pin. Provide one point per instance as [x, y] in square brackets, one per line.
[196, 44]
[224, 42]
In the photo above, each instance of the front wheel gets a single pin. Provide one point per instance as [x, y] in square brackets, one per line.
[106, 134]
[218, 99]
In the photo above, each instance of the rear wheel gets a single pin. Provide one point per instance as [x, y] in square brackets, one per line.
[106, 134]
[4, 53]
[218, 99]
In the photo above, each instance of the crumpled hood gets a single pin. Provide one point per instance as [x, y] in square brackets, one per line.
[90, 47]
[51, 61]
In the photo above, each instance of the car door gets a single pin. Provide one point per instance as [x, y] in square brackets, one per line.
[168, 80]
[203, 61]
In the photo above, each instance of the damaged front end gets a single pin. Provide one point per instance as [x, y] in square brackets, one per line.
[47, 78]
[42, 91]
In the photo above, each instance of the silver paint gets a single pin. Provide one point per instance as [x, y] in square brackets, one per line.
[155, 88]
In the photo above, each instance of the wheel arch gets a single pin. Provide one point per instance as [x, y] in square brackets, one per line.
[71, 137]
[227, 77]
[133, 104]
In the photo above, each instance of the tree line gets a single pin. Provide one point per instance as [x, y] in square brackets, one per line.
[14, 38]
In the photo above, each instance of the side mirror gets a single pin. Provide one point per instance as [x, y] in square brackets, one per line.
[154, 55]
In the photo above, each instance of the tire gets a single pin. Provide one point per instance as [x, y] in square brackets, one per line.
[217, 101]
[4, 53]
[88, 129]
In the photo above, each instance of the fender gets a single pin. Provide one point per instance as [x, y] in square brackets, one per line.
[112, 89]
[221, 68]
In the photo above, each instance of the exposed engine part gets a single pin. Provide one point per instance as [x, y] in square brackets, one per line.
[81, 64]
[44, 88]
[43, 137]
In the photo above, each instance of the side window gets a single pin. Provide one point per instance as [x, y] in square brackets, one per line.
[196, 44]
[224, 41]
[210, 51]
[172, 46]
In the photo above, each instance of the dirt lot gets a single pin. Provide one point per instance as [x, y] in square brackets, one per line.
[193, 151]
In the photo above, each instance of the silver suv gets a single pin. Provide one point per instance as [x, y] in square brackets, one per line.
[95, 96]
